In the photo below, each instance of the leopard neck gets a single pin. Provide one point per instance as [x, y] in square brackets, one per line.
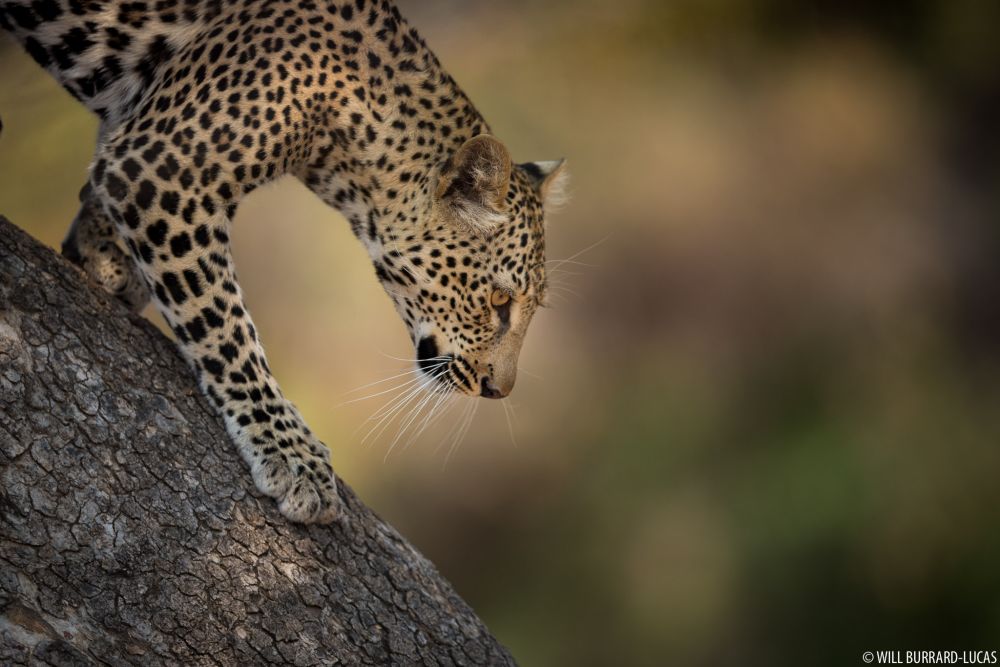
[398, 117]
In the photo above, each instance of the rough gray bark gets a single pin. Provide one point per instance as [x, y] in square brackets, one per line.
[130, 531]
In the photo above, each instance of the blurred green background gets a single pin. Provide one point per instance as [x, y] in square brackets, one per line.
[762, 424]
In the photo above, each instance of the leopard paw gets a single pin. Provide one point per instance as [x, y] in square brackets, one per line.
[302, 481]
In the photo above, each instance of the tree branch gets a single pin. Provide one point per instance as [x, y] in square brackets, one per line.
[130, 530]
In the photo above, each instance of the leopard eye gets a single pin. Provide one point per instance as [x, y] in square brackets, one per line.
[499, 298]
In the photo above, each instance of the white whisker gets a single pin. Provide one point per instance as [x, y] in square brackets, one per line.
[380, 393]
[454, 429]
[393, 407]
[558, 275]
[385, 410]
[571, 261]
[387, 414]
[392, 377]
[549, 295]
[446, 399]
[439, 397]
[530, 374]
[440, 357]
[510, 426]
[405, 425]
[421, 384]
[513, 413]
[555, 289]
[560, 262]
[462, 432]
[390, 416]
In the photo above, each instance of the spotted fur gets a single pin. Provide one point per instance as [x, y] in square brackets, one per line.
[202, 101]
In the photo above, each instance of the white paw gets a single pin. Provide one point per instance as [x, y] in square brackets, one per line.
[302, 481]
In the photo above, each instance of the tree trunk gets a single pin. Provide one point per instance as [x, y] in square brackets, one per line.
[130, 529]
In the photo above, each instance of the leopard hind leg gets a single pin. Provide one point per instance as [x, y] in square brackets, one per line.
[93, 244]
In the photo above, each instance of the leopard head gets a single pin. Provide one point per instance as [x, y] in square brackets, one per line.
[469, 277]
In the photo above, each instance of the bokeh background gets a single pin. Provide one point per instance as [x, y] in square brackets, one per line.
[762, 421]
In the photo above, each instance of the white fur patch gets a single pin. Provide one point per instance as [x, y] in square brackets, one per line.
[555, 189]
[477, 217]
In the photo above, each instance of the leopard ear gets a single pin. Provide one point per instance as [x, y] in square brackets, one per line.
[550, 179]
[472, 187]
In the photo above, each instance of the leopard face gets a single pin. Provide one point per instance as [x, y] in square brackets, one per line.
[469, 280]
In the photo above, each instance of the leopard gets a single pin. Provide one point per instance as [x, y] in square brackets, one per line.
[200, 102]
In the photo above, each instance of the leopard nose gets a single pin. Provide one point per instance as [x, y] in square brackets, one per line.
[490, 390]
